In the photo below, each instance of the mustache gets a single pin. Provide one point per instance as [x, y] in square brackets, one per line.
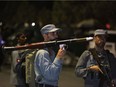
[55, 39]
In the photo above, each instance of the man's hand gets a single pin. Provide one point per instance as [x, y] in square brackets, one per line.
[95, 68]
[61, 53]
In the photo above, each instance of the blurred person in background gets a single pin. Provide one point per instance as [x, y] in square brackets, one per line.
[97, 65]
[2, 57]
[16, 76]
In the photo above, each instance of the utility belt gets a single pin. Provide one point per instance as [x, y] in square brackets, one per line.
[46, 85]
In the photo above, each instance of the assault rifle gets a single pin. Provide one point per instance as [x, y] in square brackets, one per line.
[103, 69]
[49, 43]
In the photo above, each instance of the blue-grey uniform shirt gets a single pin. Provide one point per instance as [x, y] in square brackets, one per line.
[86, 60]
[47, 67]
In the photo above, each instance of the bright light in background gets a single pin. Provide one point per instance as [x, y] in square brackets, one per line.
[108, 26]
[2, 42]
[26, 24]
[33, 24]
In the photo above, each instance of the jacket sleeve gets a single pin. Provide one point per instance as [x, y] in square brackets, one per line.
[81, 67]
[15, 56]
[48, 69]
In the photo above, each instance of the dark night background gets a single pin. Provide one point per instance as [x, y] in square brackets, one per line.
[75, 18]
[71, 16]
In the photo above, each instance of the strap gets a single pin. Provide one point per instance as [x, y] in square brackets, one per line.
[105, 73]
[95, 56]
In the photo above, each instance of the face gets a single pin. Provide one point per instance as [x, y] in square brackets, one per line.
[51, 36]
[100, 40]
[22, 39]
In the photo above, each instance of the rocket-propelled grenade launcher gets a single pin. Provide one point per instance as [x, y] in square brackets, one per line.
[49, 43]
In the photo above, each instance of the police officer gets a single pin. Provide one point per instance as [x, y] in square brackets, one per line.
[88, 67]
[48, 65]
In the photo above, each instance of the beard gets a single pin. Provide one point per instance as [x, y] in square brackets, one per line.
[101, 44]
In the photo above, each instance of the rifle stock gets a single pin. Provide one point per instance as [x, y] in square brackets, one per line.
[49, 43]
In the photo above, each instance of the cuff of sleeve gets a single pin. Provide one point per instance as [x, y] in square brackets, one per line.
[58, 62]
[86, 71]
